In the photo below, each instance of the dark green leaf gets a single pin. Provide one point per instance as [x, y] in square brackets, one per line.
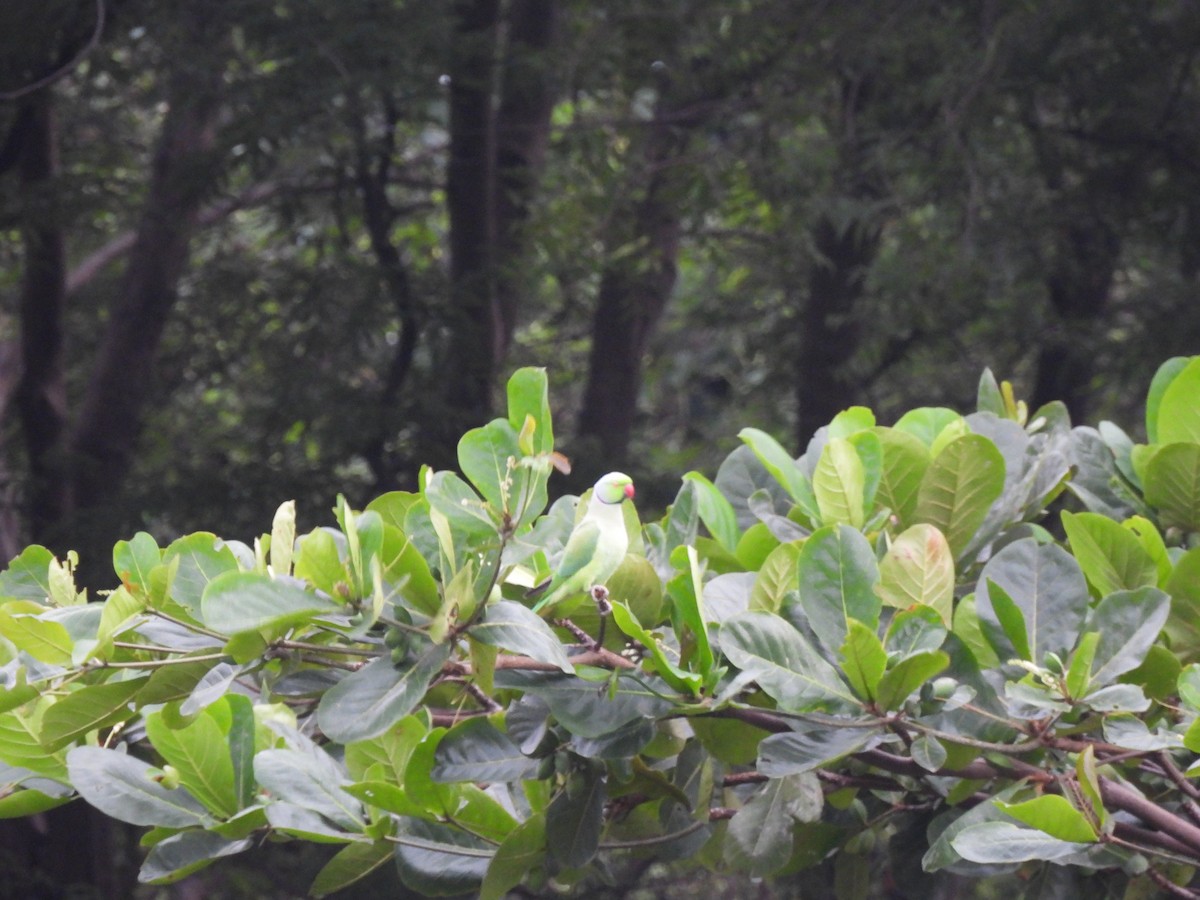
[575, 817]
[837, 578]
[87, 709]
[475, 750]
[1047, 585]
[124, 788]
[348, 865]
[511, 626]
[786, 666]
[179, 855]
[439, 861]
[1129, 622]
[246, 601]
[368, 702]
[1003, 842]
[795, 752]
[907, 676]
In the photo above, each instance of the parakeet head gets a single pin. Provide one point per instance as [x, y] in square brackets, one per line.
[615, 487]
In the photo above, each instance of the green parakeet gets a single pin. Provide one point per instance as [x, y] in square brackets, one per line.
[597, 543]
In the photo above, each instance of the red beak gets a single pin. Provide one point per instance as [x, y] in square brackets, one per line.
[629, 491]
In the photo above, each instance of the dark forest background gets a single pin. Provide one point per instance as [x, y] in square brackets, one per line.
[257, 250]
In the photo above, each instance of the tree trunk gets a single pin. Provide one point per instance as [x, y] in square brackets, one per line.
[1078, 286]
[635, 285]
[473, 316]
[522, 134]
[102, 442]
[846, 242]
[41, 393]
[831, 331]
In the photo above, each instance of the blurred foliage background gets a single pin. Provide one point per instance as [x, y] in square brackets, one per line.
[256, 250]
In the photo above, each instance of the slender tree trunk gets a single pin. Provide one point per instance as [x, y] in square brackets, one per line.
[845, 247]
[635, 286]
[102, 442]
[1078, 287]
[41, 394]
[474, 319]
[527, 99]
[831, 330]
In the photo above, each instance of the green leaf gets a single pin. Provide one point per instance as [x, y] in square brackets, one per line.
[575, 817]
[795, 752]
[368, 702]
[927, 422]
[870, 453]
[23, 802]
[839, 484]
[88, 709]
[386, 796]
[311, 779]
[407, 571]
[715, 511]
[246, 601]
[511, 626]
[759, 837]
[1047, 585]
[782, 467]
[686, 590]
[283, 538]
[777, 577]
[124, 788]
[905, 461]
[528, 395]
[928, 752]
[1178, 414]
[1184, 588]
[907, 676]
[182, 854]
[28, 575]
[475, 750]
[437, 860]
[863, 659]
[959, 488]
[319, 561]
[988, 397]
[43, 639]
[837, 582]
[523, 849]
[1003, 842]
[20, 743]
[850, 422]
[585, 708]
[918, 570]
[786, 666]
[133, 560]
[1166, 374]
[1012, 623]
[680, 679]
[1054, 815]
[350, 864]
[488, 457]
[200, 753]
[202, 557]
[1111, 556]
[1129, 622]
[1172, 480]
[1079, 675]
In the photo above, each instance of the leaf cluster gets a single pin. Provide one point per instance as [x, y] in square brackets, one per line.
[801, 656]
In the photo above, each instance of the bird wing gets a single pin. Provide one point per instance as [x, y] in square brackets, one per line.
[580, 550]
